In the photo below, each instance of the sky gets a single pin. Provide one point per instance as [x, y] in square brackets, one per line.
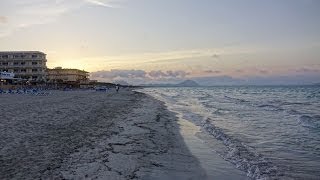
[167, 41]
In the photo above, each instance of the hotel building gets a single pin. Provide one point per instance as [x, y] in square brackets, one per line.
[29, 65]
[67, 76]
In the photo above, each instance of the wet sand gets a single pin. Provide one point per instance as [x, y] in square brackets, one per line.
[92, 135]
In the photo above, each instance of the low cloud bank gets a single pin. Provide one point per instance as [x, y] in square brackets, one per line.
[139, 76]
[136, 77]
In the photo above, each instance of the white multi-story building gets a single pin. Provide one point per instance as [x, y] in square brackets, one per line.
[29, 65]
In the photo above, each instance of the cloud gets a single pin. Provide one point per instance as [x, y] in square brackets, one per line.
[215, 56]
[100, 3]
[24, 14]
[157, 74]
[138, 76]
[176, 74]
[116, 73]
[263, 71]
[167, 74]
[212, 71]
[239, 70]
[174, 59]
[307, 70]
[120, 76]
[3, 19]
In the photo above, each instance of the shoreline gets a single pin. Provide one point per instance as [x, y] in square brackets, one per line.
[201, 145]
[72, 135]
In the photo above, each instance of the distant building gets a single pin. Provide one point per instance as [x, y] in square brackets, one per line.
[73, 77]
[28, 65]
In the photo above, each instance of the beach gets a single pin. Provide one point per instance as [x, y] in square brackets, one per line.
[92, 135]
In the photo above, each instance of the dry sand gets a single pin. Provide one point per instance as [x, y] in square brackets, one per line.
[92, 135]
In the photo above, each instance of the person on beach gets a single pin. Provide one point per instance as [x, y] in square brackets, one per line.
[117, 88]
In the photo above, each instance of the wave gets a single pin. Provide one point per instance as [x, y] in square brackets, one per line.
[218, 112]
[310, 121]
[270, 107]
[295, 103]
[205, 97]
[293, 112]
[236, 99]
[244, 157]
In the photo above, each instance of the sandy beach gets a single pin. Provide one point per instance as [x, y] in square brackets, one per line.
[92, 135]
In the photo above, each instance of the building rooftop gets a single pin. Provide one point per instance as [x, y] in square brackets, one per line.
[65, 69]
[13, 52]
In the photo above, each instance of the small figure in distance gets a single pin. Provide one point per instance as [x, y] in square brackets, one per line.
[117, 88]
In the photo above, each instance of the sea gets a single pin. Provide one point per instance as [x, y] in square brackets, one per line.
[267, 132]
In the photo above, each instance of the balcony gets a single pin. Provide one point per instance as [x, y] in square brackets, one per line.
[29, 73]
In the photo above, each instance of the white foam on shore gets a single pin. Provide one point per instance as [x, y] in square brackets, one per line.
[211, 162]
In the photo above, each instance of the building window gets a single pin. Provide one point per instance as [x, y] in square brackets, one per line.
[23, 63]
[16, 70]
[16, 63]
[5, 63]
[23, 70]
[34, 56]
[34, 63]
[5, 56]
[34, 70]
[34, 77]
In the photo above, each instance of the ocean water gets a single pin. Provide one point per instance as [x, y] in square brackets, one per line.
[267, 132]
